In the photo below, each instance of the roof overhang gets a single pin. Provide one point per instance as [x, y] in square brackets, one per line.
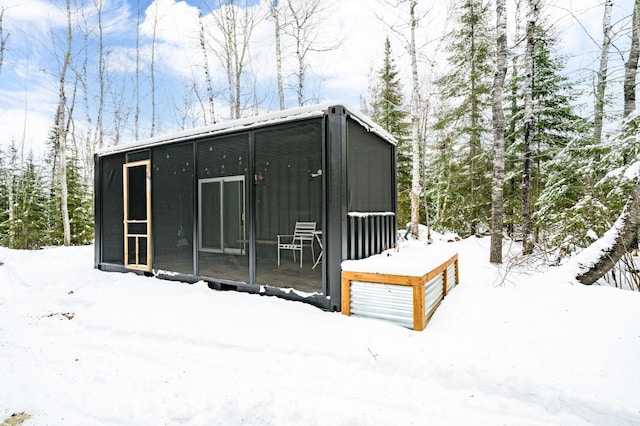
[249, 123]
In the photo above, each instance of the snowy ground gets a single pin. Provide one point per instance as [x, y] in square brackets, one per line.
[84, 347]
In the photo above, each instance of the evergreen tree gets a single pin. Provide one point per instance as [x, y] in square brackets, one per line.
[390, 113]
[464, 120]
[28, 228]
[5, 177]
[80, 208]
[80, 205]
[561, 159]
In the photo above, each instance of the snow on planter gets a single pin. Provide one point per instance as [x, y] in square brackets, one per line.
[404, 285]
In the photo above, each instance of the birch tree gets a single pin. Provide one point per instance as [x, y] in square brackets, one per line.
[152, 66]
[232, 36]
[510, 136]
[305, 26]
[136, 115]
[498, 134]
[415, 122]
[529, 127]
[275, 14]
[631, 66]
[601, 83]
[101, 77]
[623, 234]
[3, 38]
[61, 127]
[416, 105]
[207, 76]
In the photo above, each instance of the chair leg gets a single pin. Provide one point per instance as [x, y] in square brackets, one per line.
[301, 247]
[278, 256]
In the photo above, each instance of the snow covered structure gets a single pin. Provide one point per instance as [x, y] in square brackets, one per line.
[209, 204]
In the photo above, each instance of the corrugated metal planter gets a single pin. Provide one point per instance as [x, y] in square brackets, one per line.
[409, 301]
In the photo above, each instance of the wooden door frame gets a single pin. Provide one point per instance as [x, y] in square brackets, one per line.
[146, 267]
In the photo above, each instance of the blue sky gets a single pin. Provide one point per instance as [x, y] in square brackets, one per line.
[36, 29]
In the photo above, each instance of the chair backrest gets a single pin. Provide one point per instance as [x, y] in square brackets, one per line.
[304, 230]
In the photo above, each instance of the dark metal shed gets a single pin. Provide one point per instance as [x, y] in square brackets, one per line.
[209, 204]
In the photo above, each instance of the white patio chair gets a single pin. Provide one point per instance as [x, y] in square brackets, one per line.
[303, 235]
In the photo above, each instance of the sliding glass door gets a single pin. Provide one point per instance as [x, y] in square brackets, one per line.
[222, 217]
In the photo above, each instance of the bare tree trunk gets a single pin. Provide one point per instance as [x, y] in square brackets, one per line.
[137, 112]
[207, 77]
[247, 24]
[88, 147]
[275, 13]
[3, 38]
[152, 70]
[497, 186]
[623, 235]
[60, 143]
[602, 73]
[233, 49]
[415, 124]
[510, 138]
[631, 66]
[301, 29]
[307, 17]
[529, 130]
[101, 77]
[474, 139]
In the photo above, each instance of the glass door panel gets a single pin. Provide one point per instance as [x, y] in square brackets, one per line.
[221, 219]
[233, 215]
[210, 216]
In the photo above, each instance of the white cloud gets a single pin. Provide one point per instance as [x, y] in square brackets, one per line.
[28, 75]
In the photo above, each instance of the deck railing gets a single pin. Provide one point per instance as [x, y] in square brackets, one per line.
[370, 233]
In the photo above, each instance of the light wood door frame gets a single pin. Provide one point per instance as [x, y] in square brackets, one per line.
[138, 264]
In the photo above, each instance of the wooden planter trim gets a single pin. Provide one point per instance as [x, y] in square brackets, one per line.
[417, 283]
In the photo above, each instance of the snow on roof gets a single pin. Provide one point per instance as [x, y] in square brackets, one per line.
[247, 123]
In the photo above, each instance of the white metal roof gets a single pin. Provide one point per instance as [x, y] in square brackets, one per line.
[247, 123]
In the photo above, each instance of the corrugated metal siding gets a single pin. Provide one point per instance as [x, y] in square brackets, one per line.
[451, 276]
[433, 294]
[385, 301]
[369, 234]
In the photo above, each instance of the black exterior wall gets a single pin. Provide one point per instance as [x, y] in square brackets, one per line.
[336, 201]
[356, 165]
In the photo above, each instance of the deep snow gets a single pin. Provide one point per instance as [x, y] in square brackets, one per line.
[84, 347]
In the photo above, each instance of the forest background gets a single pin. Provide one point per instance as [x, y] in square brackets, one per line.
[77, 76]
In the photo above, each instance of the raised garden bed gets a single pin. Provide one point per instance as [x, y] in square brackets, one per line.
[403, 286]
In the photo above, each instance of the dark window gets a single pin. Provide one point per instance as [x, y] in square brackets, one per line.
[369, 171]
[172, 183]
